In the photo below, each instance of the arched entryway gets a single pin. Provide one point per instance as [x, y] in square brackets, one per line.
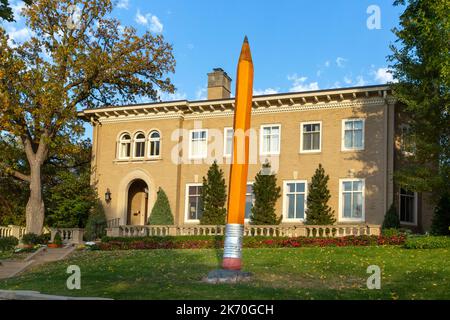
[137, 206]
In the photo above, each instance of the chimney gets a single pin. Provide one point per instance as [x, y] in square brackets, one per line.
[219, 84]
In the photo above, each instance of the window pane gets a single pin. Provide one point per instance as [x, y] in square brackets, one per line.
[306, 141]
[306, 128]
[347, 186]
[348, 139]
[291, 187]
[291, 205]
[358, 139]
[275, 130]
[358, 124]
[357, 205]
[275, 143]
[300, 206]
[348, 125]
[316, 127]
[300, 187]
[266, 144]
[347, 202]
[316, 141]
[357, 185]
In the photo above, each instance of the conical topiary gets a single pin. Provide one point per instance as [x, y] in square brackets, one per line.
[391, 220]
[161, 213]
[318, 212]
[214, 196]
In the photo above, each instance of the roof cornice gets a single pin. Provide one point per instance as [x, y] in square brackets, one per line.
[283, 101]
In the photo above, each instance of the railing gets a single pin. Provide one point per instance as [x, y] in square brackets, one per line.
[249, 230]
[12, 231]
[68, 235]
[113, 223]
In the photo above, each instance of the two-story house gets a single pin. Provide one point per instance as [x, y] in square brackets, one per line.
[353, 132]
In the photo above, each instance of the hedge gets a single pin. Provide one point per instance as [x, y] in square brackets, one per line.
[427, 242]
[8, 243]
[208, 242]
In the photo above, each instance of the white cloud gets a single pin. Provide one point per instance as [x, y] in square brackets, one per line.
[150, 21]
[163, 96]
[383, 75]
[300, 84]
[348, 80]
[360, 81]
[327, 63]
[123, 4]
[19, 35]
[17, 9]
[341, 62]
[265, 91]
[200, 94]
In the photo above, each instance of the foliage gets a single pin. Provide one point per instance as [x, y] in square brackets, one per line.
[31, 238]
[318, 212]
[57, 239]
[427, 242]
[96, 224]
[421, 65]
[441, 217]
[390, 232]
[266, 194]
[6, 11]
[391, 219]
[161, 213]
[210, 242]
[64, 67]
[214, 195]
[8, 243]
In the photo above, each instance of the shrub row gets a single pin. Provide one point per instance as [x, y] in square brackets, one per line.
[8, 243]
[34, 239]
[427, 242]
[205, 242]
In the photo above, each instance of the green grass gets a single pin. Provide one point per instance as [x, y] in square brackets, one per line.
[297, 273]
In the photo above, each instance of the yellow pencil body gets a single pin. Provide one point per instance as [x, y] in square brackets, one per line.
[239, 167]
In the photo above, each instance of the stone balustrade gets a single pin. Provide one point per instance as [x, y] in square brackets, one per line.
[249, 230]
[12, 231]
[68, 235]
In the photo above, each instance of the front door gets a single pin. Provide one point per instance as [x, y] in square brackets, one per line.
[137, 203]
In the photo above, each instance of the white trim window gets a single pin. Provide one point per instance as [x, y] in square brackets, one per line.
[407, 207]
[139, 145]
[351, 200]
[125, 146]
[154, 143]
[407, 141]
[310, 137]
[270, 139]
[249, 200]
[228, 141]
[294, 200]
[198, 144]
[194, 203]
[352, 134]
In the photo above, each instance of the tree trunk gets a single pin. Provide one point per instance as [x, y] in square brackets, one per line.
[35, 206]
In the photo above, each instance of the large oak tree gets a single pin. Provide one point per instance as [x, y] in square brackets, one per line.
[72, 61]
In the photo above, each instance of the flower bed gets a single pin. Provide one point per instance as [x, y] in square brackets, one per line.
[204, 242]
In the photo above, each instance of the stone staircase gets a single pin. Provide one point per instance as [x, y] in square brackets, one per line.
[11, 268]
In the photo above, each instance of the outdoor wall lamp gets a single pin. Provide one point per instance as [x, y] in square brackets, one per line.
[108, 195]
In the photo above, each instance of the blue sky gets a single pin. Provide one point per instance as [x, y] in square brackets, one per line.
[296, 45]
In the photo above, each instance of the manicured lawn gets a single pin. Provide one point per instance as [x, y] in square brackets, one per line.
[290, 273]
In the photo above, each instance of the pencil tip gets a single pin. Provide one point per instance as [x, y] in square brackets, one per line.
[246, 39]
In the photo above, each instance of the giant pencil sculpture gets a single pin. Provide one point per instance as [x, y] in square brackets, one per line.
[239, 167]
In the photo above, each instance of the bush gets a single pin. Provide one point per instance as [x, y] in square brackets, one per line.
[96, 224]
[8, 243]
[427, 242]
[31, 238]
[391, 219]
[216, 242]
[214, 196]
[161, 213]
[57, 239]
[266, 195]
[441, 217]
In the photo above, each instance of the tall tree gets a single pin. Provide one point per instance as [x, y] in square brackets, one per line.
[266, 195]
[214, 196]
[421, 64]
[71, 61]
[6, 11]
[318, 211]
